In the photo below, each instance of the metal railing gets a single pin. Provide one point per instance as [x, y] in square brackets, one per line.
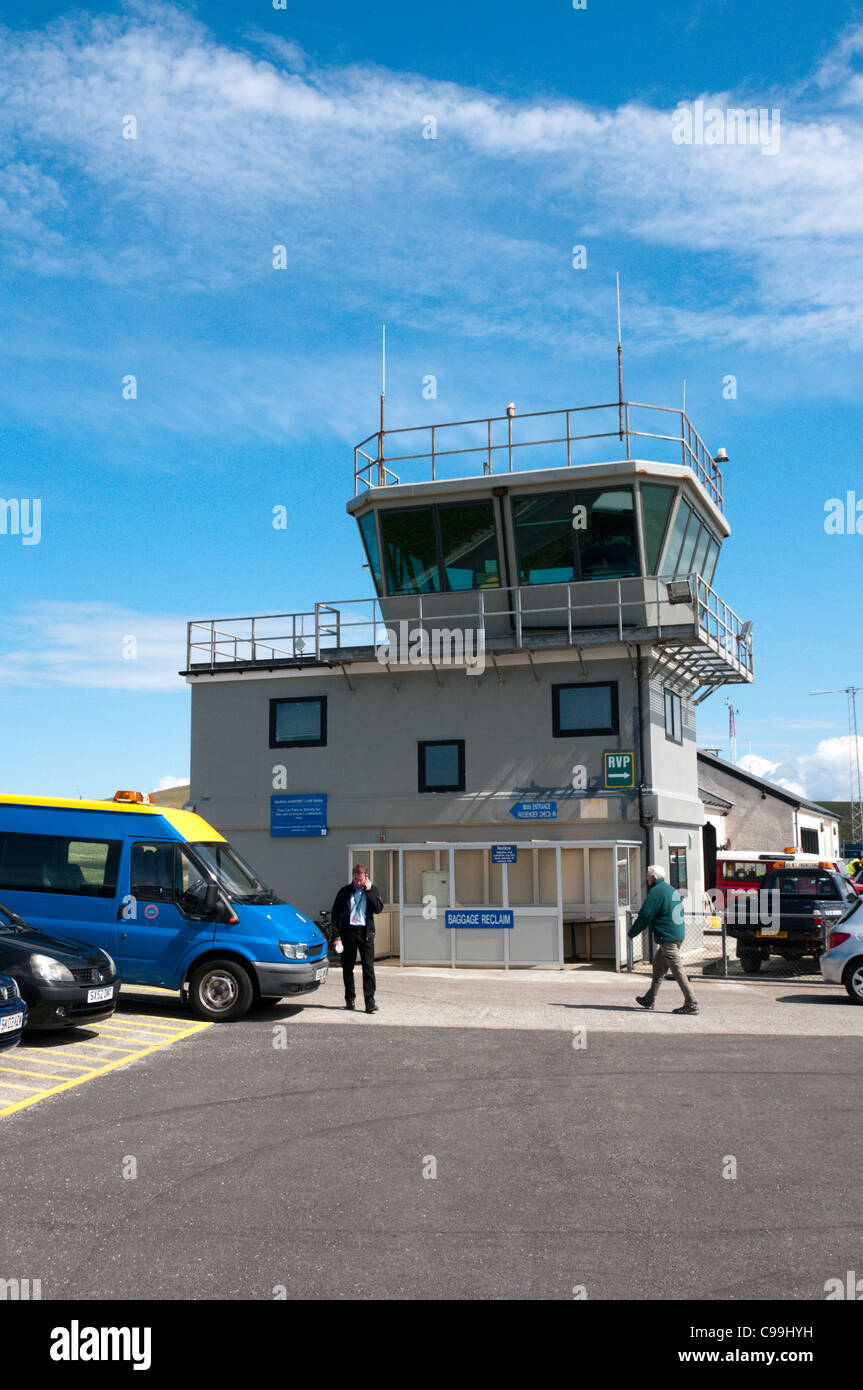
[603, 606]
[493, 439]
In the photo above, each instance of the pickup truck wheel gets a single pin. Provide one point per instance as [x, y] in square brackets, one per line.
[853, 980]
[750, 961]
[220, 991]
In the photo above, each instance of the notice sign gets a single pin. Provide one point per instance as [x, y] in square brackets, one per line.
[478, 917]
[504, 854]
[298, 815]
[618, 771]
[534, 810]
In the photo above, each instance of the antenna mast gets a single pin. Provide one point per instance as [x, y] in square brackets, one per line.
[383, 398]
[852, 691]
[619, 364]
[732, 730]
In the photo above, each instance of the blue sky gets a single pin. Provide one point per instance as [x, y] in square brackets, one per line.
[302, 126]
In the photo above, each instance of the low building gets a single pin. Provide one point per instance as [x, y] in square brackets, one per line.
[743, 811]
[505, 730]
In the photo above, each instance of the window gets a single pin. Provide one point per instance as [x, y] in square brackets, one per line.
[164, 873]
[808, 841]
[552, 549]
[584, 709]
[59, 864]
[742, 871]
[607, 544]
[299, 723]
[468, 546]
[673, 717]
[369, 534]
[448, 547]
[691, 546]
[678, 875]
[441, 765]
[656, 500]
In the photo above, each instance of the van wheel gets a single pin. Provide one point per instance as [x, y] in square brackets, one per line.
[750, 961]
[853, 980]
[220, 991]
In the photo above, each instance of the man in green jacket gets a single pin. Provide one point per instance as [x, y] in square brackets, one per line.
[662, 910]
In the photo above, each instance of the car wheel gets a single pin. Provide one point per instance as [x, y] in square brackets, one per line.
[750, 961]
[853, 980]
[220, 991]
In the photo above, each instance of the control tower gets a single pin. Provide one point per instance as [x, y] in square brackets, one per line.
[543, 627]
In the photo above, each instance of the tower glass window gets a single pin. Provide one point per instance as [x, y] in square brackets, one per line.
[656, 500]
[410, 551]
[543, 527]
[607, 544]
[469, 545]
[369, 534]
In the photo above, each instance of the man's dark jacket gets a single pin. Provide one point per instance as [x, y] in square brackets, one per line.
[340, 916]
[662, 910]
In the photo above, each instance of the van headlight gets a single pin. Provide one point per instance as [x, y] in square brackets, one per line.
[51, 970]
[294, 950]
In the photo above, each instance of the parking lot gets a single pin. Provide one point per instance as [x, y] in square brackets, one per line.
[481, 1136]
[46, 1064]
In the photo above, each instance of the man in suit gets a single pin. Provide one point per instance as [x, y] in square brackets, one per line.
[353, 919]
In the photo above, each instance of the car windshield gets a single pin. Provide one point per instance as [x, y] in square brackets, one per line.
[235, 876]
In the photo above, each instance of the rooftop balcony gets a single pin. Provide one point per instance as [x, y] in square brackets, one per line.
[697, 640]
[542, 439]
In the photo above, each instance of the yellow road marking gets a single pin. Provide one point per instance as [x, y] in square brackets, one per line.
[16, 1086]
[98, 1071]
[22, 1071]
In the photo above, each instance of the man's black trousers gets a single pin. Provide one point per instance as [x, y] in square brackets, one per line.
[353, 942]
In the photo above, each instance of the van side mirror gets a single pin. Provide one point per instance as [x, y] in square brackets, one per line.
[211, 899]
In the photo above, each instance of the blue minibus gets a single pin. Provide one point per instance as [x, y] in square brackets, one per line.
[161, 892]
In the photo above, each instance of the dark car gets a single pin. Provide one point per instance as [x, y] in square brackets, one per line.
[63, 983]
[13, 1013]
[791, 916]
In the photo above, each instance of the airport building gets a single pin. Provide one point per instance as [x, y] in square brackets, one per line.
[504, 729]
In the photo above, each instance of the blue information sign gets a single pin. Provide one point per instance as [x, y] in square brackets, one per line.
[504, 854]
[298, 815]
[534, 810]
[479, 917]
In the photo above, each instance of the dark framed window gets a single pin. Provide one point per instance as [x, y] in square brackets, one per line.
[59, 864]
[588, 708]
[449, 546]
[673, 717]
[808, 841]
[300, 723]
[441, 765]
[557, 542]
[678, 873]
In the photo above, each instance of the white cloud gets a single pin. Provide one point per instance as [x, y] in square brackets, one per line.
[823, 775]
[236, 153]
[94, 645]
[167, 783]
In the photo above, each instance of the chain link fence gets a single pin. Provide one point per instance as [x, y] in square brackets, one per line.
[713, 949]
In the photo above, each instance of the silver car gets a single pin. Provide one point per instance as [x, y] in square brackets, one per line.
[842, 962]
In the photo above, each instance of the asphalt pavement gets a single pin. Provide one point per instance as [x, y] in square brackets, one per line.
[480, 1137]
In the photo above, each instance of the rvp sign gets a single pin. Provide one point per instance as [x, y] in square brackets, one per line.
[618, 771]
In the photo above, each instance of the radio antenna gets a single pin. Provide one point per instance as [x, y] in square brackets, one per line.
[619, 364]
[383, 398]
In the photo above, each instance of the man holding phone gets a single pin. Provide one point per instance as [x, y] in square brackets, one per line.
[353, 920]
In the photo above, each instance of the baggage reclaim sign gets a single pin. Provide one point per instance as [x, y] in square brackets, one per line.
[479, 917]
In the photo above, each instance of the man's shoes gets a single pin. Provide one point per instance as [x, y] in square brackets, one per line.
[687, 1009]
[644, 1000]
[349, 1004]
[371, 1008]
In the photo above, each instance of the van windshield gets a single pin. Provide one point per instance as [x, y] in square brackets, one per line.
[235, 876]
